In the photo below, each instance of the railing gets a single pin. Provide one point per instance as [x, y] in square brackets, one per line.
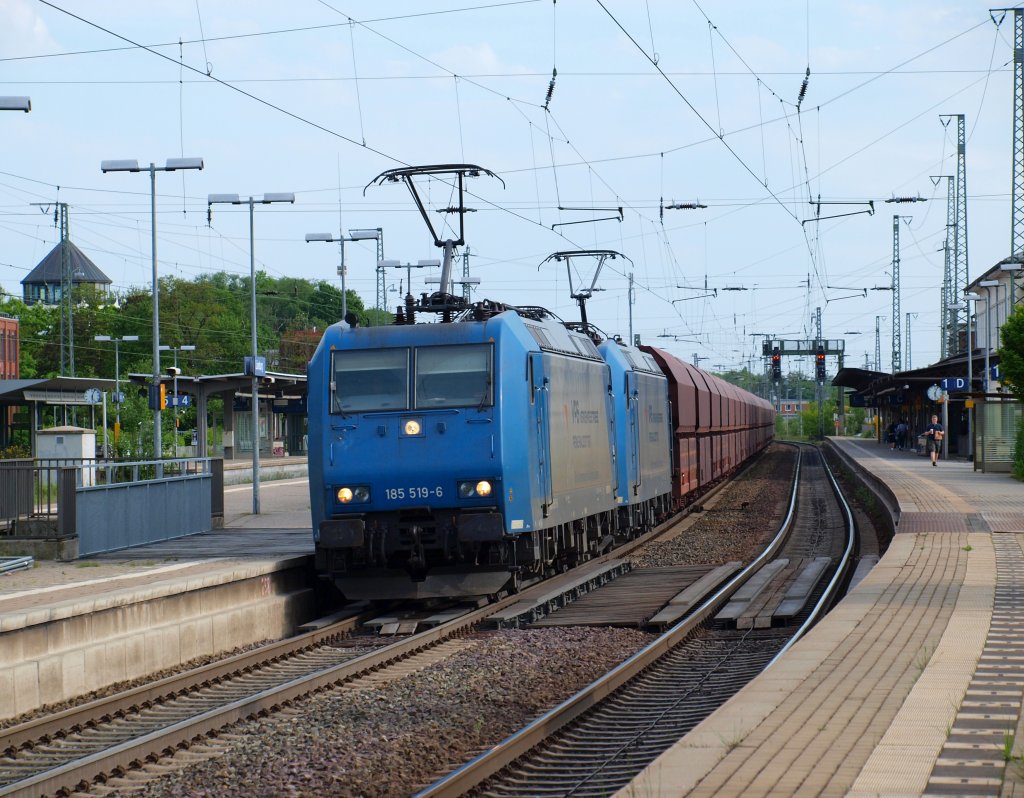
[32, 492]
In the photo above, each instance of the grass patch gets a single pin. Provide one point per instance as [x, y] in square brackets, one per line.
[87, 564]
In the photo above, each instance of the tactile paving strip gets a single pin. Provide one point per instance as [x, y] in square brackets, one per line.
[973, 759]
[1005, 522]
[935, 522]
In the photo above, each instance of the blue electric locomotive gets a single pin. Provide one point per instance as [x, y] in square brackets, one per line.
[462, 458]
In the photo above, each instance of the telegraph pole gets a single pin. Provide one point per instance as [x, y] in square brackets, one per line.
[62, 221]
[466, 285]
[878, 343]
[629, 297]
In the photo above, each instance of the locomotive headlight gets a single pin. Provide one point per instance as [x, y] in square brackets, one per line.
[475, 488]
[359, 494]
[411, 427]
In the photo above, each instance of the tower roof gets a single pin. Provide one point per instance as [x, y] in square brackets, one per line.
[83, 270]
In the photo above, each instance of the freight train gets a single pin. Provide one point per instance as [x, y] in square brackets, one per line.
[503, 446]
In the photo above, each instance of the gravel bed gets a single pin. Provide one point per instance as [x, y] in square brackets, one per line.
[389, 741]
[745, 517]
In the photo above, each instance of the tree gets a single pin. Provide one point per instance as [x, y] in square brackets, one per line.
[1011, 354]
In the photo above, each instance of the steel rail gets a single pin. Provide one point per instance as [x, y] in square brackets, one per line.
[81, 772]
[15, 737]
[485, 765]
[831, 590]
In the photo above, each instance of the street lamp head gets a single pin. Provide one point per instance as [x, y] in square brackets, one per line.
[102, 338]
[16, 104]
[389, 264]
[228, 199]
[972, 297]
[174, 164]
[129, 338]
[989, 283]
[1010, 267]
[278, 197]
[119, 166]
[187, 348]
[430, 262]
[319, 237]
[363, 235]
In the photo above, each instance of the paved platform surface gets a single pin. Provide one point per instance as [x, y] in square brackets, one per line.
[913, 683]
[281, 531]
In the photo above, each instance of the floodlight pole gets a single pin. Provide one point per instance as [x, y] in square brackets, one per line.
[968, 298]
[16, 104]
[375, 233]
[117, 371]
[173, 164]
[233, 199]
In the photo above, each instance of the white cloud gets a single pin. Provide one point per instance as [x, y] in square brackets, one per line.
[23, 31]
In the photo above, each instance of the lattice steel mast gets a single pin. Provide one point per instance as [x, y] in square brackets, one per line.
[947, 265]
[897, 357]
[958, 282]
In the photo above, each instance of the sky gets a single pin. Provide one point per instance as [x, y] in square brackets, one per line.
[655, 103]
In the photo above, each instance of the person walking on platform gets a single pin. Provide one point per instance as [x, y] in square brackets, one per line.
[901, 434]
[933, 439]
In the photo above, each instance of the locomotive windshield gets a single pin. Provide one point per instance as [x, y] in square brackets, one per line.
[368, 380]
[453, 376]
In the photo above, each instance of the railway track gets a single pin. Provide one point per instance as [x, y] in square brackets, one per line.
[106, 738]
[598, 740]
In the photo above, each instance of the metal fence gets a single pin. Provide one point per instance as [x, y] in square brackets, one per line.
[112, 503]
[113, 513]
[995, 432]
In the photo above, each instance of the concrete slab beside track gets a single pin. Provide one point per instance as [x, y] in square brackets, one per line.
[912, 685]
[67, 628]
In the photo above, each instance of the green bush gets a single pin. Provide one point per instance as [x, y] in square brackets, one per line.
[14, 452]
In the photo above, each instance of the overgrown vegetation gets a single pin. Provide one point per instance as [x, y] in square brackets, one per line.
[1011, 367]
[211, 312]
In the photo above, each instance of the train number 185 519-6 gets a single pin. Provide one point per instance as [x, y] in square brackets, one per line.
[416, 492]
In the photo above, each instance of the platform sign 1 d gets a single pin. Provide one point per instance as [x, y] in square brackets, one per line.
[954, 384]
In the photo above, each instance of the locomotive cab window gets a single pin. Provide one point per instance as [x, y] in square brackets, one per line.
[454, 376]
[364, 381]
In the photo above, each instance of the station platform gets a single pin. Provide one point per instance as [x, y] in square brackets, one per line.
[912, 685]
[68, 628]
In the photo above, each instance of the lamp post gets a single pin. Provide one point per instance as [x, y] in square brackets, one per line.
[267, 199]
[118, 398]
[968, 298]
[373, 234]
[16, 104]
[987, 285]
[173, 165]
[420, 264]
[176, 349]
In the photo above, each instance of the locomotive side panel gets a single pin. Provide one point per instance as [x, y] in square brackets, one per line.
[580, 432]
[654, 437]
